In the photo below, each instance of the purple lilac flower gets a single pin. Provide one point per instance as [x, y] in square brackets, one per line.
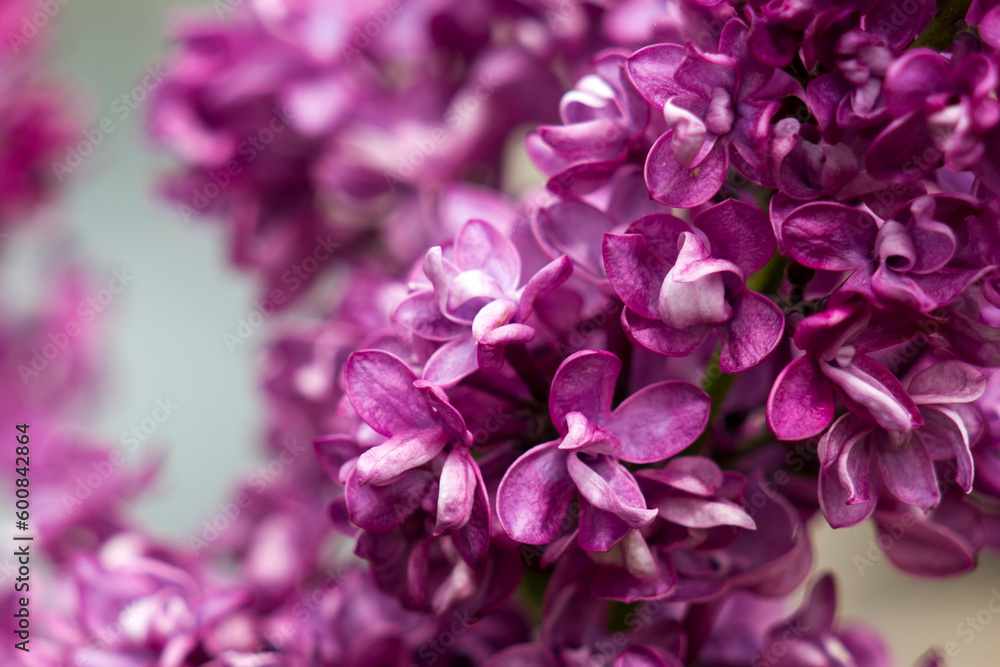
[718, 108]
[677, 289]
[473, 303]
[651, 425]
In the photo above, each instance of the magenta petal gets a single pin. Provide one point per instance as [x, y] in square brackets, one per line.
[380, 387]
[636, 655]
[534, 495]
[473, 539]
[584, 434]
[652, 69]
[421, 314]
[452, 362]
[584, 383]
[834, 499]
[908, 472]
[490, 348]
[635, 273]
[659, 421]
[738, 232]
[694, 290]
[676, 185]
[400, 453]
[698, 513]
[551, 276]
[576, 228]
[949, 381]
[599, 530]
[829, 236]
[871, 386]
[445, 412]
[479, 245]
[655, 336]
[493, 315]
[801, 404]
[926, 549]
[694, 474]
[753, 332]
[455, 491]
[382, 508]
[608, 486]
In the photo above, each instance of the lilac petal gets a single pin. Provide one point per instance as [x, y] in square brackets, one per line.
[989, 28]
[402, 452]
[635, 273]
[380, 387]
[333, 451]
[479, 245]
[608, 486]
[636, 655]
[946, 428]
[680, 186]
[659, 421]
[576, 229]
[382, 508]
[452, 362]
[584, 383]
[927, 549]
[801, 404]
[534, 495]
[948, 381]
[853, 467]
[753, 332]
[833, 498]
[490, 348]
[520, 655]
[698, 513]
[455, 491]
[579, 179]
[470, 291]
[473, 539]
[908, 472]
[651, 70]
[702, 73]
[913, 78]
[444, 411]
[926, 292]
[694, 474]
[661, 231]
[584, 434]
[877, 391]
[599, 530]
[657, 337]
[551, 276]
[693, 291]
[738, 232]
[829, 236]
[421, 314]
[493, 315]
[441, 272]
[901, 143]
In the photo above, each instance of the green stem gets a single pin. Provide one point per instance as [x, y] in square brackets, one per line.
[944, 26]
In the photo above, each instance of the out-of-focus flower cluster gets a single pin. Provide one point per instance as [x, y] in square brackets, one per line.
[581, 422]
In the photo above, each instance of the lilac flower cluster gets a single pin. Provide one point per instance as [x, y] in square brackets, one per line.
[587, 421]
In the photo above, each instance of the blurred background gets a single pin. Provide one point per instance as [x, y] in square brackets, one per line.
[166, 348]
